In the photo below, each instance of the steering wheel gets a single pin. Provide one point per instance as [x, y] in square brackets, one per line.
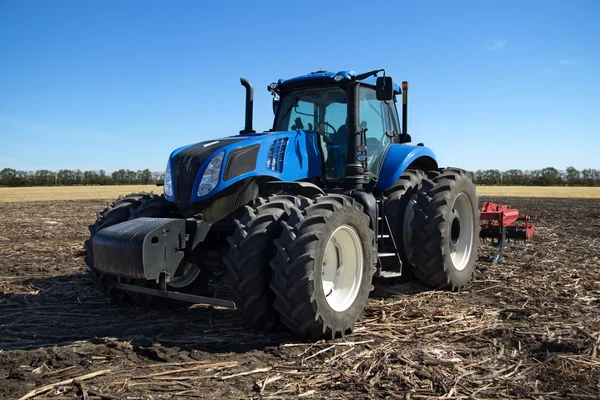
[331, 126]
[326, 135]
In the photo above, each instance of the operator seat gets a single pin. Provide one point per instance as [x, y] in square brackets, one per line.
[338, 149]
[341, 136]
[336, 153]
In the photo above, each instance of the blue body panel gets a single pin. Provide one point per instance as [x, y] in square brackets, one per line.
[302, 159]
[397, 159]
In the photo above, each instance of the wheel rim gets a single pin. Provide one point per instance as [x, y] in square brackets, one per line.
[407, 230]
[461, 232]
[185, 275]
[342, 268]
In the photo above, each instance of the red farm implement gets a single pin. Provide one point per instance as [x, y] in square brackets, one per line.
[503, 223]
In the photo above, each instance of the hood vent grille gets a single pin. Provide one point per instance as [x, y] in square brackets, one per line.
[276, 155]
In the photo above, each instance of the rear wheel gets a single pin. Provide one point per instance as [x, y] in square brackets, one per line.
[189, 278]
[323, 267]
[446, 229]
[398, 208]
[250, 251]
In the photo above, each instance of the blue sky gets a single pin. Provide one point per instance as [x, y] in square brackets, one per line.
[120, 84]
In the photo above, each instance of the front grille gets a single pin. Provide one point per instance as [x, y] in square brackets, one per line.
[185, 165]
[276, 155]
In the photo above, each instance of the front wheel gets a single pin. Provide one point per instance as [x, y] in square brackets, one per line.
[250, 251]
[323, 267]
[445, 229]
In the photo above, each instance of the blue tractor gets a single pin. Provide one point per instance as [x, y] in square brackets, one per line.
[298, 219]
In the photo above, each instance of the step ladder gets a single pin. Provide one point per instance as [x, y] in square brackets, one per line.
[390, 264]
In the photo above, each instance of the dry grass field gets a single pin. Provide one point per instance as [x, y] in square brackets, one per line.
[112, 192]
[72, 192]
[555, 192]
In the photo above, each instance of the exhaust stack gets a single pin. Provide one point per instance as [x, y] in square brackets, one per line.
[404, 107]
[249, 106]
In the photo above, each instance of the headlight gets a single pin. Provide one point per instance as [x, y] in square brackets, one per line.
[210, 178]
[168, 187]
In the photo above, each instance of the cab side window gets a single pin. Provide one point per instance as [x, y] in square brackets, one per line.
[377, 117]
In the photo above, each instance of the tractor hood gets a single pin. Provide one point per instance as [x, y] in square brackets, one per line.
[203, 170]
[185, 163]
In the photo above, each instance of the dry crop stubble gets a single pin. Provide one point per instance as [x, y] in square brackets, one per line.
[526, 328]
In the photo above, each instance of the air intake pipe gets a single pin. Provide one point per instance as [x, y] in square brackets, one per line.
[249, 106]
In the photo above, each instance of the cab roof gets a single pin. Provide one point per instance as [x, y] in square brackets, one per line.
[324, 77]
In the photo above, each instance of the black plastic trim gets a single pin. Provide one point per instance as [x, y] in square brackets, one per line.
[241, 161]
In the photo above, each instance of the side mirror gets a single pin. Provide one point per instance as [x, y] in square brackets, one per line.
[384, 88]
[405, 138]
[275, 104]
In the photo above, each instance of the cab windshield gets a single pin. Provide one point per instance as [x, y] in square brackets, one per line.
[324, 110]
[305, 109]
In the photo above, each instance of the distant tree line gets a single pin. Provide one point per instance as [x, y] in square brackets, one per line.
[539, 177]
[67, 177]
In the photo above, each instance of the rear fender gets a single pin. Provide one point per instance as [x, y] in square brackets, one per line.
[400, 157]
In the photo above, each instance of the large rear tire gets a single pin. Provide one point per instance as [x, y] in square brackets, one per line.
[251, 249]
[446, 229]
[323, 267]
[188, 279]
[398, 208]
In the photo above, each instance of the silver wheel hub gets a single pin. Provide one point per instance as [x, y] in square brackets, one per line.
[461, 232]
[342, 268]
[185, 275]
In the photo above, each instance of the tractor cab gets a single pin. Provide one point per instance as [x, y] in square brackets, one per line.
[319, 102]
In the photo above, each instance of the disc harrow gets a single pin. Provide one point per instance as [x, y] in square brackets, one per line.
[503, 224]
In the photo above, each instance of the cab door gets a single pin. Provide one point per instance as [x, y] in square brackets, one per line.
[379, 121]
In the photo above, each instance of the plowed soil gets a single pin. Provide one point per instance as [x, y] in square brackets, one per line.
[525, 328]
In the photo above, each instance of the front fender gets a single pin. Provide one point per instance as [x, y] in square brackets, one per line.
[398, 158]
